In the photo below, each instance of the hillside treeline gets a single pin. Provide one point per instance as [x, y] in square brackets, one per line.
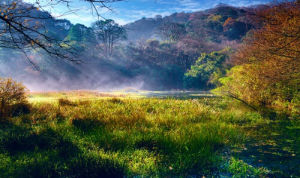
[157, 57]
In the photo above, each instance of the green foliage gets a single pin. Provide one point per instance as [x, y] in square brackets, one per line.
[80, 33]
[108, 30]
[108, 33]
[80, 37]
[207, 69]
[241, 84]
[239, 168]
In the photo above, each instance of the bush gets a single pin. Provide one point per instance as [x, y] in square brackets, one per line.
[12, 98]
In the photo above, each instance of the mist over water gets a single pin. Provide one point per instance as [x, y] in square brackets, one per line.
[63, 85]
[57, 74]
[41, 81]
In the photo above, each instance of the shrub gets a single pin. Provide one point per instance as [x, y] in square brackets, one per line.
[12, 98]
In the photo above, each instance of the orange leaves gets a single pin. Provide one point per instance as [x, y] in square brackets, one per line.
[11, 93]
[7, 11]
[269, 58]
[228, 21]
[278, 39]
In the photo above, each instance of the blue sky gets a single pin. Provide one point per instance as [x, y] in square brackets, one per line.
[131, 10]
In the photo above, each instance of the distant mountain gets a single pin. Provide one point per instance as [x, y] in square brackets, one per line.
[220, 23]
[211, 21]
[147, 28]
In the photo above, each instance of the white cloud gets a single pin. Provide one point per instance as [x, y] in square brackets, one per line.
[129, 11]
[122, 21]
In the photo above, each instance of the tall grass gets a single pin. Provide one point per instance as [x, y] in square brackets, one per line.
[117, 137]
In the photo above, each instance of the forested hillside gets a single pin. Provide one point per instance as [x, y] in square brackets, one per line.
[221, 23]
[148, 52]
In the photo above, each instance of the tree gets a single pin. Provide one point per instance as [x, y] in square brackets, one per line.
[268, 70]
[22, 26]
[234, 29]
[207, 68]
[172, 31]
[11, 93]
[108, 33]
[81, 37]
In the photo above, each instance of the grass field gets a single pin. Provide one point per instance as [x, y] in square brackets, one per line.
[126, 93]
[91, 134]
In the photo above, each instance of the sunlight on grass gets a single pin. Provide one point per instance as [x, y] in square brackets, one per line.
[68, 135]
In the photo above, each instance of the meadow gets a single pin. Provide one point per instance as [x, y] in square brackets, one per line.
[91, 134]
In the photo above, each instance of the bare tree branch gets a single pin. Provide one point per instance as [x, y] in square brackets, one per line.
[23, 26]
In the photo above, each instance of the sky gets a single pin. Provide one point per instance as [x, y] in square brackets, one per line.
[130, 10]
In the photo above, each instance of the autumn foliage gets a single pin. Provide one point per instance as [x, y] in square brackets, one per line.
[12, 98]
[268, 62]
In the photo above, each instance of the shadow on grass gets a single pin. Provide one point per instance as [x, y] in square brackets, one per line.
[86, 124]
[275, 146]
[47, 153]
[23, 140]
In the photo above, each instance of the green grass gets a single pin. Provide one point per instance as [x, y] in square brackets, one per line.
[239, 168]
[124, 136]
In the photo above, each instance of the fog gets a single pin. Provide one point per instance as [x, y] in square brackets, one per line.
[57, 74]
[157, 54]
